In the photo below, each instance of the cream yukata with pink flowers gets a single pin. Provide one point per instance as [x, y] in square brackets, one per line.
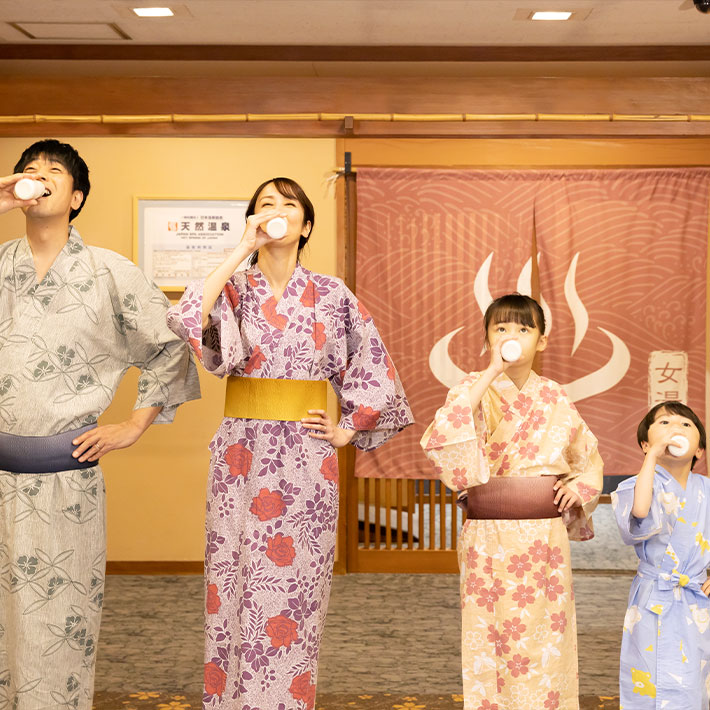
[519, 638]
[272, 500]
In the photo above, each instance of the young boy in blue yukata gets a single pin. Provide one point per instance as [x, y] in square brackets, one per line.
[664, 512]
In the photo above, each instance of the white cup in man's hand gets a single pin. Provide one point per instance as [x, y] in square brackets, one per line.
[29, 189]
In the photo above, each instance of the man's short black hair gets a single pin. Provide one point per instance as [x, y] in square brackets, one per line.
[65, 154]
[672, 407]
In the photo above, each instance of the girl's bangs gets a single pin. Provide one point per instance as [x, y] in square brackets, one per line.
[509, 313]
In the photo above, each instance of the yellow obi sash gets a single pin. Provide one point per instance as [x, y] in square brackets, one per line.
[281, 400]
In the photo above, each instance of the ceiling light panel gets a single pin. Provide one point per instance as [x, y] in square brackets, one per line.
[551, 15]
[153, 11]
[573, 13]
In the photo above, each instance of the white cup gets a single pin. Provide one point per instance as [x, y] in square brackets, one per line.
[680, 445]
[511, 350]
[277, 227]
[28, 189]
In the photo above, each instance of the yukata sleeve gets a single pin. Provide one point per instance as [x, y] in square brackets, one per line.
[168, 376]
[454, 442]
[631, 528]
[372, 399]
[219, 347]
[585, 478]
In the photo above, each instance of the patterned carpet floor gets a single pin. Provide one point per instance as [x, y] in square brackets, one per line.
[374, 656]
[365, 701]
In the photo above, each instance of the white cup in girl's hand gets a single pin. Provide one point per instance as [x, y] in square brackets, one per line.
[511, 350]
[28, 189]
[277, 227]
[680, 445]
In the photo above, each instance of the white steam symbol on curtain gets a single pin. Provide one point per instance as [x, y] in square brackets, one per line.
[606, 377]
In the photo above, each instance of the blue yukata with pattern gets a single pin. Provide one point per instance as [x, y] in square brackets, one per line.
[665, 649]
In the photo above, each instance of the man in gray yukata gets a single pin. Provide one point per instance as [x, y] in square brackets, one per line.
[73, 319]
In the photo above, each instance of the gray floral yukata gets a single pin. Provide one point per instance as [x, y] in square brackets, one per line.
[272, 500]
[65, 344]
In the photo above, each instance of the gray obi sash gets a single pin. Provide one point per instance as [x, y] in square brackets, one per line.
[41, 454]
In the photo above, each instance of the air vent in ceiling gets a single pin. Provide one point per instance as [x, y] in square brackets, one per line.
[70, 30]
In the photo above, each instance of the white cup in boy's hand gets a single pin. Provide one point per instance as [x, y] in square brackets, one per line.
[680, 445]
[29, 189]
[277, 227]
[511, 351]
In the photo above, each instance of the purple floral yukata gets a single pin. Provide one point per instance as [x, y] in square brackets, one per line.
[272, 501]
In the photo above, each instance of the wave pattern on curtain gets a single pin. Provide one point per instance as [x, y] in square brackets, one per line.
[622, 272]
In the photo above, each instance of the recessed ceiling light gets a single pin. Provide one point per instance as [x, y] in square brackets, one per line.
[547, 15]
[153, 11]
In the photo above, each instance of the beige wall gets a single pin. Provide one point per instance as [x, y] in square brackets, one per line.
[156, 489]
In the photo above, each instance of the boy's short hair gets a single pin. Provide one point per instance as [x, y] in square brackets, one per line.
[672, 407]
[65, 154]
[515, 308]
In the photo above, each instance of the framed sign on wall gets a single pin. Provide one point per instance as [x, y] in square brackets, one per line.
[178, 240]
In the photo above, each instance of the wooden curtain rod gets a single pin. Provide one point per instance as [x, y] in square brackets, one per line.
[323, 117]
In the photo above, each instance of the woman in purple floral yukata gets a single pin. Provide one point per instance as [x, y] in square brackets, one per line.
[272, 503]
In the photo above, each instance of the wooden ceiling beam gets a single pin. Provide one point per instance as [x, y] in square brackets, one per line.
[493, 106]
[352, 53]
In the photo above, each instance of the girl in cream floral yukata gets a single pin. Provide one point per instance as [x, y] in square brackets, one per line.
[514, 446]
[664, 512]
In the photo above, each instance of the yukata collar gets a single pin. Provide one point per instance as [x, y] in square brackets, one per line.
[665, 475]
[265, 287]
[300, 270]
[667, 478]
[505, 384]
[24, 258]
[73, 244]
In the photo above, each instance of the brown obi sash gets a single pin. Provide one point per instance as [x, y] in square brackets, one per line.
[513, 498]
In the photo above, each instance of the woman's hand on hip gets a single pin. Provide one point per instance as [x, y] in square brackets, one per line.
[321, 427]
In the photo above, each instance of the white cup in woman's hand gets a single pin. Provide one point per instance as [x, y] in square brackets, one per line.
[277, 227]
